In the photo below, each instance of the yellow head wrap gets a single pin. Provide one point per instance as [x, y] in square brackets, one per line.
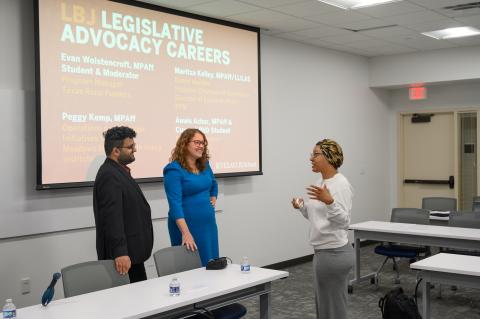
[332, 152]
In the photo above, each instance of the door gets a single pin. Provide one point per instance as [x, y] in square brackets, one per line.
[427, 159]
[467, 160]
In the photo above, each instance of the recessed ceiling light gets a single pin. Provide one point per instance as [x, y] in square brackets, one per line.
[356, 4]
[451, 33]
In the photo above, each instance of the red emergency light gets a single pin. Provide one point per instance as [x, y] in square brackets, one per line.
[417, 93]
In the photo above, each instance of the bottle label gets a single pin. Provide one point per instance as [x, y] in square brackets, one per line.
[7, 314]
[245, 268]
[174, 290]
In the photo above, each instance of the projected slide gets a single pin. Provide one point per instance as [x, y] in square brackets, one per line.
[103, 64]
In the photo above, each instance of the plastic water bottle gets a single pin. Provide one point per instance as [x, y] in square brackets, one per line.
[174, 287]
[9, 310]
[245, 267]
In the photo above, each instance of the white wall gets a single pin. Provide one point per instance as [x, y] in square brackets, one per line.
[432, 66]
[460, 95]
[307, 94]
[455, 96]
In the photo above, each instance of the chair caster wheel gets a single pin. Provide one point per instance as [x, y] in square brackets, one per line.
[350, 289]
[373, 280]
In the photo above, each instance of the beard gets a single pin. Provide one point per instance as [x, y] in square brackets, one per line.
[126, 159]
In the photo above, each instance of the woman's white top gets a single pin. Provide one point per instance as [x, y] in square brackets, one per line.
[329, 223]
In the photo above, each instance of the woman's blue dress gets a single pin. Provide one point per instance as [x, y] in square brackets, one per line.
[188, 197]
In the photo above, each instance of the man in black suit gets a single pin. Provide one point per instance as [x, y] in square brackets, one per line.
[122, 214]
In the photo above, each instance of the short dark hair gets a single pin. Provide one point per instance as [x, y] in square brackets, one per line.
[114, 137]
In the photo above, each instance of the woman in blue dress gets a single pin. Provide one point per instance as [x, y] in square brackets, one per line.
[192, 193]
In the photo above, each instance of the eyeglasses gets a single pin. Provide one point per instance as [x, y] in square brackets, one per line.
[314, 155]
[130, 147]
[198, 143]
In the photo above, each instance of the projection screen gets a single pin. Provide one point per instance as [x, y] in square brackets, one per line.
[159, 71]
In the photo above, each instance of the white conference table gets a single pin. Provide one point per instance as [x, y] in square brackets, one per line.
[199, 287]
[427, 235]
[447, 269]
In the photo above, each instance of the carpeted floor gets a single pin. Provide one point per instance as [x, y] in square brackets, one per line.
[293, 297]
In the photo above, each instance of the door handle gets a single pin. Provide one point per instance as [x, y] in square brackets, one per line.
[450, 182]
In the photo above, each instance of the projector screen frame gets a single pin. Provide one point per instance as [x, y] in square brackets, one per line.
[39, 182]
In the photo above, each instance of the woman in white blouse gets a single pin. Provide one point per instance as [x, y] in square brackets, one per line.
[328, 211]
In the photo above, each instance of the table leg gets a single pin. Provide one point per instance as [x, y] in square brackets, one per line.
[426, 299]
[357, 257]
[265, 300]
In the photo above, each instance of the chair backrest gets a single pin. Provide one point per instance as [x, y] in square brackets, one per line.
[476, 204]
[410, 216]
[465, 219]
[439, 203]
[91, 276]
[175, 259]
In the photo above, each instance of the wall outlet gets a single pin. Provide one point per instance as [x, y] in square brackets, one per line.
[25, 285]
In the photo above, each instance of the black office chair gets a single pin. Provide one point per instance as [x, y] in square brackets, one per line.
[464, 220]
[392, 251]
[175, 259]
[476, 204]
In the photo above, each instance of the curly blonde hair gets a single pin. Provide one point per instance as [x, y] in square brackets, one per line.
[332, 151]
[179, 153]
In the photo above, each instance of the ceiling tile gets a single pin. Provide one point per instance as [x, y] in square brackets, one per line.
[380, 47]
[370, 43]
[364, 24]
[222, 8]
[272, 3]
[322, 31]
[315, 23]
[435, 4]
[387, 50]
[176, 3]
[467, 41]
[361, 52]
[438, 46]
[260, 17]
[290, 36]
[386, 33]
[414, 17]
[290, 25]
[309, 8]
[458, 13]
[420, 42]
[325, 44]
[473, 21]
[435, 25]
[338, 18]
[390, 9]
[336, 47]
[343, 39]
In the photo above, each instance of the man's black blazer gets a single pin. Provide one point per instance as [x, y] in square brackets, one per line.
[122, 215]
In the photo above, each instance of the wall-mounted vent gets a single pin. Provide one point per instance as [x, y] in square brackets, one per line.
[464, 6]
[372, 28]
